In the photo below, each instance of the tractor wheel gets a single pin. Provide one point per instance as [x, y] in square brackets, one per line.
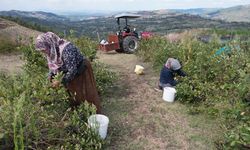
[130, 44]
[119, 50]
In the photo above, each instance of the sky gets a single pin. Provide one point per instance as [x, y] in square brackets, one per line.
[113, 5]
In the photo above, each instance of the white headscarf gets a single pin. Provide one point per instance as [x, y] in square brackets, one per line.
[173, 64]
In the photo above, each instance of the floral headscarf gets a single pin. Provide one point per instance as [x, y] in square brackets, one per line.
[53, 46]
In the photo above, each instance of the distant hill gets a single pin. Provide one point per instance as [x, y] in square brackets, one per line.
[159, 22]
[196, 11]
[48, 20]
[84, 15]
[11, 32]
[238, 13]
[39, 18]
[34, 14]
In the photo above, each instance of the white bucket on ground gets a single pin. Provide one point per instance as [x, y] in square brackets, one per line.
[139, 69]
[99, 123]
[169, 94]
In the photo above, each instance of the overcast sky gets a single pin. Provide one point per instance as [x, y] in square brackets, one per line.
[114, 5]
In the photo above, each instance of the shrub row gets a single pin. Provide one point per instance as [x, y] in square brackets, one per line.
[35, 116]
[217, 83]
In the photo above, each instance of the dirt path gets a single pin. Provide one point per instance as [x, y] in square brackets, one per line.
[140, 119]
[11, 63]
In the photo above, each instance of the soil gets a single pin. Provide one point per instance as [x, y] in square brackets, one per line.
[11, 63]
[140, 119]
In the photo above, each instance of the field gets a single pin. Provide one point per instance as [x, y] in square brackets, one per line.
[211, 110]
[139, 118]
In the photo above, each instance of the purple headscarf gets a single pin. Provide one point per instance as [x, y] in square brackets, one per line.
[53, 46]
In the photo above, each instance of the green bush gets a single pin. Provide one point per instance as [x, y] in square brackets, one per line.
[87, 46]
[36, 116]
[215, 83]
[104, 78]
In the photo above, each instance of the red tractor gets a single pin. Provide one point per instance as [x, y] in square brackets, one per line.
[126, 40]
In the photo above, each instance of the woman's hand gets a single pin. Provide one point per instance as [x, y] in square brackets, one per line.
[50, 78]
[55, 83]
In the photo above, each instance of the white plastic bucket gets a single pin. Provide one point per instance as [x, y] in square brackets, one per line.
[139, 69]
[168, 94]
[99, 123]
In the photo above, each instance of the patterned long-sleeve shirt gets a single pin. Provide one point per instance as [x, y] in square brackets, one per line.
[72, 59]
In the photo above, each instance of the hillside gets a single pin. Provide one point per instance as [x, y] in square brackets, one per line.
[238, 13]
[159, 22]
[43, 20]
[197, 11]
[34, 14]
[10, 32]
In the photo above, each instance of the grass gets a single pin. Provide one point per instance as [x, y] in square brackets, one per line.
[6, 45]
[140, 119]
[144, 129]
